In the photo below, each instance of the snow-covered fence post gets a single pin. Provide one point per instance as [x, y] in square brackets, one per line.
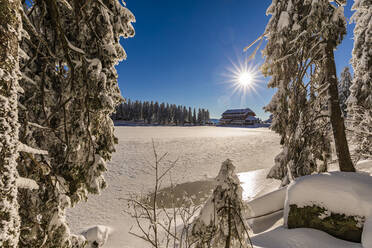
[221, 221]
[10, 26]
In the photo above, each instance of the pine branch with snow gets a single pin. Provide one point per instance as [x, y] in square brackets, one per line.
[66, 111]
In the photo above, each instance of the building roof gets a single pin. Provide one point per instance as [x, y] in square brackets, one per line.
[251, 118]
[238, 111]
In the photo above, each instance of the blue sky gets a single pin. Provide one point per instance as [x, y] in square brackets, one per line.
[182, 51]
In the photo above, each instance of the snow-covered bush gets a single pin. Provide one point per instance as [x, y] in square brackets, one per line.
[338, 203]
[221, 220]
[96, 236]
[70, 49]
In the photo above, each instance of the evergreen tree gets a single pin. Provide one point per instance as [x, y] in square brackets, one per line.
[184, 115]
[169, 114]
[194, 117]
[145, 111]
[207, 116]
[301, 38]
[221, 221]
[200, 117]
[156, 112]
[150, 113]
[10, 28]
[163, 113]
[344, 89]
[130, 111]
[189, 115]
[360, 100]
[70, 90]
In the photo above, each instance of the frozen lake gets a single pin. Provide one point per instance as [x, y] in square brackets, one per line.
[199, 152]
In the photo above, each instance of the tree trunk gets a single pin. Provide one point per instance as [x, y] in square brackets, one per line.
[337, 121]
[9, 73]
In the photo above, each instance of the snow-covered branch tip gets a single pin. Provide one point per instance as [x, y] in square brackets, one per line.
[25, 148]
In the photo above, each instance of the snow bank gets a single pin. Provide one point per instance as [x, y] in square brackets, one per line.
[367, 233]
[97, 235]
[364, 165]
[300, 238]
[265, 211]
[269, 203]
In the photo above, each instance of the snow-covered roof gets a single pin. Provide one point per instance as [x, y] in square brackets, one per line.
[238, 111]
[251, 118]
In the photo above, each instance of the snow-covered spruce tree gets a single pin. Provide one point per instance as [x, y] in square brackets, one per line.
[299, 34]
[344, 89]
[360, 100]
[221, 221]
[70, 90]
[10, 26]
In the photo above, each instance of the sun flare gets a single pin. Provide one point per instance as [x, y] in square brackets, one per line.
[245, 78]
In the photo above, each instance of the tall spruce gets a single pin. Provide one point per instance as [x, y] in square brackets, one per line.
[70, 89]
[344, 89]
[189, 117]
[194, 117]
[360, 100]
[10, 28]
[299, 58]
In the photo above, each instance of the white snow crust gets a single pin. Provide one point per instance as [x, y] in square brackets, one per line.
[200, 152]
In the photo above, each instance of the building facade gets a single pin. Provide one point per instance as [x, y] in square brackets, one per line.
[239, 117]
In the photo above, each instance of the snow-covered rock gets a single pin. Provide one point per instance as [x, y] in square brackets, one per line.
[345, 193]
[96, 235]
[340, 192]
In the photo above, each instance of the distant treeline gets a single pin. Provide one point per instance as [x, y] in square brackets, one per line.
[163, 113]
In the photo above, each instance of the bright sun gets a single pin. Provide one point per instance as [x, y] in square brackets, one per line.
[245, 78]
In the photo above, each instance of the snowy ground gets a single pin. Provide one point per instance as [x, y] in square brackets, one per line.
[200, 151]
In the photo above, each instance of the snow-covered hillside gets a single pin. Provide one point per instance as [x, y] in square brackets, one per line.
[200, 151]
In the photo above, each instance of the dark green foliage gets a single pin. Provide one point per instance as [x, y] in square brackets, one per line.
[163, 113]
[338, 225]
